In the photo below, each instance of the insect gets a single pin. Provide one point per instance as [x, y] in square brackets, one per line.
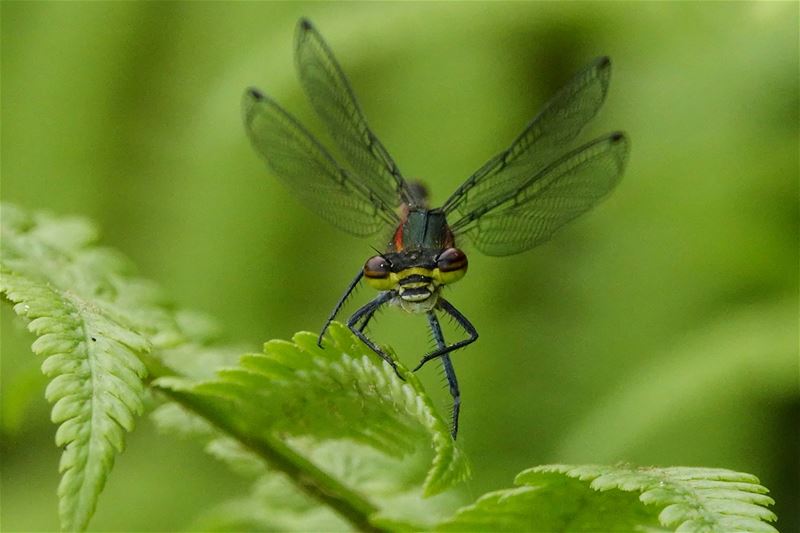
[512, 203]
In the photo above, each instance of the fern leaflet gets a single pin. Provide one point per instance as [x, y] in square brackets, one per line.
[69, 293]
[689, 499]
[339, 408]
[621, 498]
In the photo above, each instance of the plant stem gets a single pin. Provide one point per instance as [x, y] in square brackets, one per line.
[350, 505]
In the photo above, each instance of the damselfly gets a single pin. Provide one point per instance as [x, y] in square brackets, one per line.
[511, 204]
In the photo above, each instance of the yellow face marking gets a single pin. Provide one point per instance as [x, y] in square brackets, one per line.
[452, 276]
[413, 271]
[392, 281]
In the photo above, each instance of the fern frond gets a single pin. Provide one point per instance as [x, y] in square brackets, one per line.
[340, 407]
[392, 485]
[689, 499]
[96, 387]
[297, 389]
[80, 302]
[553, 502]
[621, 498]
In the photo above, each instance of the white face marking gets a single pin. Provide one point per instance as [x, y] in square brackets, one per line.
[418, 297]
[419, 303]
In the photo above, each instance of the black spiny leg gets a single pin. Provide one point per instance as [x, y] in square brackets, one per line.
[449, 371]
[364, 315]
[448, 308]
[366, 319]
[339, 305]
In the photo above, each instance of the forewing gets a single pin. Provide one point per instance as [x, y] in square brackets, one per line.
[334, 101]
[539, 144]
[309, 171]
[561, 192]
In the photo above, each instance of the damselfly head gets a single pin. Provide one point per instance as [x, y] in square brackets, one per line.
[415, 269]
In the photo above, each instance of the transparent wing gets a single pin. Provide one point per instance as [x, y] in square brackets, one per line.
[564, 190]
[309, 171]
[334, 101]
[540, 143]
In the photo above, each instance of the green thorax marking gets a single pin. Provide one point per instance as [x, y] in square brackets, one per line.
[423, 229]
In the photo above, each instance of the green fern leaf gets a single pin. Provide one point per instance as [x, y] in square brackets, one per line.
[287, 387]
[81, 304]
[621, 498]
[274, 503]
[553, 502]
[689, 499]
[343, 409]
[96, 387]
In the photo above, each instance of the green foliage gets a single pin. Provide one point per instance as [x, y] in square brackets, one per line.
[312, 398]
[298, 389]
[100, 327]
[621, 498]
[660, 329]
[689, 499]
[273, 502]
[329, 438]
[77, 300]
[552, 503]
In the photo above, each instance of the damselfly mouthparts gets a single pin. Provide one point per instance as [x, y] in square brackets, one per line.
[512, 203]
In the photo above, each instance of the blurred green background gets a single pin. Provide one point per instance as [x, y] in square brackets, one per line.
[662, 328]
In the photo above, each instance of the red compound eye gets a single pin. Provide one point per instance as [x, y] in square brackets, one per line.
[376, 267]
[451, 259]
